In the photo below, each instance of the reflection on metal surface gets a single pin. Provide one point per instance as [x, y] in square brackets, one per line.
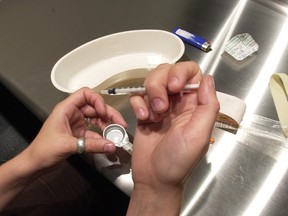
[216, 158]
[222, 37]
[257, 91]
[269, 186]
[239, 177]
[278, 5]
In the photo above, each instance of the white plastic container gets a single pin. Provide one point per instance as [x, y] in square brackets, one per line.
[98, 60]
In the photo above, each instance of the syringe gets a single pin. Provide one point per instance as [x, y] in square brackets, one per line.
[142, 90]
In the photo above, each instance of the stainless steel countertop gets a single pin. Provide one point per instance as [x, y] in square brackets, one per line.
[35, 34]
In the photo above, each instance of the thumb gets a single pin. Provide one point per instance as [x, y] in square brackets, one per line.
[99, 145]
[208, 107]
[207, 93]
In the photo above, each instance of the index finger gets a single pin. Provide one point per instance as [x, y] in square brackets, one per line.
[167, 79]
[91, 105]
[85, 97]
[183, 73]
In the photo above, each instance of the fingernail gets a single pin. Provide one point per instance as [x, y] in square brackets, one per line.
[140, 112]
[157, 104]
[173, 82]
[109, 148]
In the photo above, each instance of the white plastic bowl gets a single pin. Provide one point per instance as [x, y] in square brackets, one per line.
[98, 60]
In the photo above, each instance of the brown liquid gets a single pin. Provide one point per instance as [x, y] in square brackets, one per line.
[125, 79]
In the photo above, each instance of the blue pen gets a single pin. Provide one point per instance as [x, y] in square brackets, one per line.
[194, 40]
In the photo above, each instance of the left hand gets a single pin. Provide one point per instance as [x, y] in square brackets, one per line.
[57, 138]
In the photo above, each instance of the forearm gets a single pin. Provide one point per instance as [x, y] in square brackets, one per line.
[15, 174]
[145, 202]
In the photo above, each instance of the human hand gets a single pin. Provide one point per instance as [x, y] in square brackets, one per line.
[171, 137]
[57, 138]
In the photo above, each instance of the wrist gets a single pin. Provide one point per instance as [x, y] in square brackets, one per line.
[22, 168]
[161, 201]
[16, 174]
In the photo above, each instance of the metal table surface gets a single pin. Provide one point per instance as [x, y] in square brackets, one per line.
[35, 34]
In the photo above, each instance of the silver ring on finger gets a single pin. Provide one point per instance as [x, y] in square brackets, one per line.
[81, 145]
